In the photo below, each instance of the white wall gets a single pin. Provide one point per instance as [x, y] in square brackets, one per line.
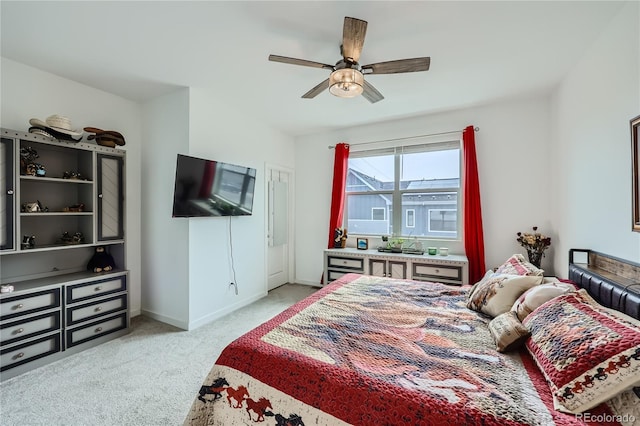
[561, 161]
[165, 241]
[189, 262]
[591, 154]
[179, 268]
[512, 149]
[220, 132]
[30, 93]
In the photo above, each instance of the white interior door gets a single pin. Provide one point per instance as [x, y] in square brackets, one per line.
[279, 229]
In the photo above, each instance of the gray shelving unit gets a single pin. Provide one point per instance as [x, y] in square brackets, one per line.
[57, 306]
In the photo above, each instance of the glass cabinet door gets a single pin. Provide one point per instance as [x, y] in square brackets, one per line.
[110, 197]
[7, 194]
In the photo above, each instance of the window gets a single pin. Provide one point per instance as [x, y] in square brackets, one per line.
[442, 220]
[234, 184]
[378, 213]
[405, 191]
[411, 218]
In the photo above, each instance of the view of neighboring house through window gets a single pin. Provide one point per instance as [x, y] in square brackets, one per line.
[411, 218]
[410, 191]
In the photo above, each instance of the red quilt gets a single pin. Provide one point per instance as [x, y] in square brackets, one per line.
[376, 351]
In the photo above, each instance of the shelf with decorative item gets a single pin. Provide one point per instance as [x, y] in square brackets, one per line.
[55, 180]
[62, 213]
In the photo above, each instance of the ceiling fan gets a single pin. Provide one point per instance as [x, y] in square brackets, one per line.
[347, 75]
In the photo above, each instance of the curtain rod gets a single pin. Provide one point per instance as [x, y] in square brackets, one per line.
[476, 129]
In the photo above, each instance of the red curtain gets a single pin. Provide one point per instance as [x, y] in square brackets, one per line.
[473, 234]
[207, 179]
[340, 163]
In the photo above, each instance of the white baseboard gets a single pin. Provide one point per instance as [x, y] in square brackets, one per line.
[165, 319]
[222, 312]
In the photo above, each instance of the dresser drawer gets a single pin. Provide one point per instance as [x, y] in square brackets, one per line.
[85, 291]
[334, 275]
[21, 354]
[14, 306]
[97, 309]
[96, 329]
[423, 271]
[355, 265]
[33, 326]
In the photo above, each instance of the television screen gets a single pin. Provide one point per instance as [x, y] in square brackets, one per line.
[212, 188]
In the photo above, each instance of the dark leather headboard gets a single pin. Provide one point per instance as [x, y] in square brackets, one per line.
[613, 282]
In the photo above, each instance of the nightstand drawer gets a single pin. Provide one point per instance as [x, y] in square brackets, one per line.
[346, 263]
[11, 307]
[96, 329]
[436, 272]
[96, 309]
[24, 328]
[93, 289]
[18, 355]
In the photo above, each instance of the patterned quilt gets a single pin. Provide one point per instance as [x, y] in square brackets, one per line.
[376, 351]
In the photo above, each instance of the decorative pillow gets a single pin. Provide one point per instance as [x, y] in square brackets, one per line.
[487, 275]
[538, 295]
[508, 332]
[497, 294]
[587, 353]
[518, 265]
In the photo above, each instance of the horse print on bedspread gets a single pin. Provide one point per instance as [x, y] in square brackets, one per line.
[418, 336]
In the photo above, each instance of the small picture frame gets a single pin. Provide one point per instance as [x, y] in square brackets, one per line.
[362, 243]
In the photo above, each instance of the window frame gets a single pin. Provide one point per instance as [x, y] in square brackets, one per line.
[396, 193]
[429, 219]
[384, 214]
[413, 214]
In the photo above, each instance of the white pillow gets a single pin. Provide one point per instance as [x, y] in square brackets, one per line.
[538, 295]
[497, 294]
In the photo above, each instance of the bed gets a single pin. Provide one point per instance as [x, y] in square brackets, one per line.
[367, 350]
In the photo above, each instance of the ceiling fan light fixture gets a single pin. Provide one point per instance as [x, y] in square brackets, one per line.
[346, 83]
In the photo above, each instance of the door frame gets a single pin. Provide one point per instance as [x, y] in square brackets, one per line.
[291, 222]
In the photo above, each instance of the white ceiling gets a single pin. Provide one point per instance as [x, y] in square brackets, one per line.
[480, 51]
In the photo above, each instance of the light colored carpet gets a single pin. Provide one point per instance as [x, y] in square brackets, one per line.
[148, 377]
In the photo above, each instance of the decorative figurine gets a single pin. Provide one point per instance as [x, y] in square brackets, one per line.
[74, 208]
[76, 238]
[340, 237]
[101, 261]
[28, 242]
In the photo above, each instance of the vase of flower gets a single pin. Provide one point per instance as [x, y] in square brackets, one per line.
[535, 257]
[535, 243]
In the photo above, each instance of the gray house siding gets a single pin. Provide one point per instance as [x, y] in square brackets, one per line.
[433, 212]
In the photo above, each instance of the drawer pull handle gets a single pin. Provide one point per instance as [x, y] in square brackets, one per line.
[437, 271]
[18, 356]
[98, 330]
[98, 308]
[97, 288]
[18, 306]
[18, 331]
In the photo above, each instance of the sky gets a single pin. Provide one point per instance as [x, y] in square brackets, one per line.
[424, 165]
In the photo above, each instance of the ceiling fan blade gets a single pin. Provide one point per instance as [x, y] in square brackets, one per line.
[399, 66]
[370, 93]
[302, 62]
[317, 90]
[353, 33]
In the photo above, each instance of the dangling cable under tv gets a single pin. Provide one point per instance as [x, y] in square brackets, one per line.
[205, 188]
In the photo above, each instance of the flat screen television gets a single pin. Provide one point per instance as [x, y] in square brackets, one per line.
[212, 188]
